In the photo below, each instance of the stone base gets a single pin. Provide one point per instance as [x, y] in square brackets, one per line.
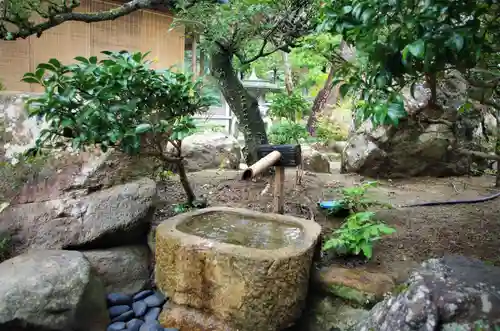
[190, 319]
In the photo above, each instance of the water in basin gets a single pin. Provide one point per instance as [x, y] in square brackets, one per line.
[236, 229]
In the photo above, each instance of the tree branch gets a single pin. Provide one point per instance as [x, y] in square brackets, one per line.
[92, 17]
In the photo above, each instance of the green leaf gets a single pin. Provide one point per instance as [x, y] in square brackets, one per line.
[344, 89]
[93, 59]
[417, 49]
[55, 63]
[381, 80]
[367, 15]
[367, 250]
[465, 107]
[141, 128]
[40, 72]
[47, 66]
[82, 59]
[30, 79]
[346, 9]
[457, 41]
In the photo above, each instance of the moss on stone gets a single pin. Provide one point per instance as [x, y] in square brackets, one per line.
[352, 295]
[5, 246]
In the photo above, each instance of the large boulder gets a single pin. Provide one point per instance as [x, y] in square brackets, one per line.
[451, 293]
[314, 161]
[211, 150]
[120, 215]
[420, 144]
[51, 291]
[52, 176]
[123, 269]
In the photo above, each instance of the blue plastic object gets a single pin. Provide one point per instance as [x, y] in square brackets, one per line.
[334, 204]
[334, 207]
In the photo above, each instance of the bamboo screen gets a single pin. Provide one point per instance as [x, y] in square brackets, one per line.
[140, 31]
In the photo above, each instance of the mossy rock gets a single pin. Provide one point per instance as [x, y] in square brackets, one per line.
[358, 286]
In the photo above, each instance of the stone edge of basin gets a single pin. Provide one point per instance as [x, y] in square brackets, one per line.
[311, 232]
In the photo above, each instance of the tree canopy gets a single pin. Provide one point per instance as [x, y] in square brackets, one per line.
[400, 42]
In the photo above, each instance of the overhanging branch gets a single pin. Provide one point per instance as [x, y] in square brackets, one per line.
[92, 17]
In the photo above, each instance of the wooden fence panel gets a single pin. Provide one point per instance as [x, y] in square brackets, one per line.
[142, 30]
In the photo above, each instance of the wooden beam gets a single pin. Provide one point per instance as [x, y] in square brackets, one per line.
[279, 187]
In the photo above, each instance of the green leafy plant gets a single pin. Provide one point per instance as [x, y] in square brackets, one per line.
[119, 102]
[289, 107]
[354, 198]
[180, 208]
[287, 132]
[357, 235]
[328, 130]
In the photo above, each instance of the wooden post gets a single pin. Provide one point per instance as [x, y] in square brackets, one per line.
[279, 194]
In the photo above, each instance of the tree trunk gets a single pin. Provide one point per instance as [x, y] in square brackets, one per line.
[320, 101]
[497, 146]
[194, 56]
[190, 196]
[242, 104]
[288, 74]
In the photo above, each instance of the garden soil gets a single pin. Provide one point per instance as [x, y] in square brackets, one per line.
[422, 232]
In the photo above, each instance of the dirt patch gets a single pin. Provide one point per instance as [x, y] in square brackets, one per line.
[422, 232]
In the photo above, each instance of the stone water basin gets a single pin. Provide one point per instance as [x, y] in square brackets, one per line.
[234, 269]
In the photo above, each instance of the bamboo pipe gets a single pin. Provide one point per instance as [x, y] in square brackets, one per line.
[267, 161]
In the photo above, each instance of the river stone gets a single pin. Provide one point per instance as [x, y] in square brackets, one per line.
[134, 325]
[356, 285]
[143, 294]
[123, 269]
[117, 216]
[155, 300]
[118, 310]
[51, 290]
[250, 289]
[140, 308]
[117, 326]
[125, 317]
[451, 293]
[151, 326]
[152, 314]
[117, 299]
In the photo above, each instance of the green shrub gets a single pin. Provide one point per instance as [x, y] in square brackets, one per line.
[328, 130]
[290, 107]
[287, 132]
